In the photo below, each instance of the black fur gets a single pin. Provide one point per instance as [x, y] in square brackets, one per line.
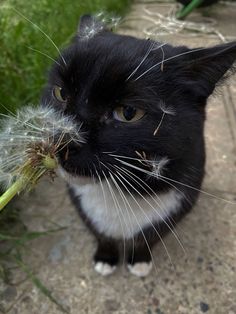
[95, 82]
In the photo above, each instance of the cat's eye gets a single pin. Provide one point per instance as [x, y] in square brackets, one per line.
[59, 93]
[128, 114]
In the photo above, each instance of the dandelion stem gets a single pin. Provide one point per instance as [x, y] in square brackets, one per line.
[28, 175]
[11, 192]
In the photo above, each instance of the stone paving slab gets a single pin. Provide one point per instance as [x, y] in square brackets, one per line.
[200, 280]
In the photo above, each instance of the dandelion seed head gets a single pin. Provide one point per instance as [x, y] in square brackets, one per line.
[167, 109]
[97, 24]
[31, 129]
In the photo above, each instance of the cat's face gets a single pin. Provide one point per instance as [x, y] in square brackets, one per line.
[134, 99]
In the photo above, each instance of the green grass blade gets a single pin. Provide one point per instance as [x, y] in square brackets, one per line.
[38, 283]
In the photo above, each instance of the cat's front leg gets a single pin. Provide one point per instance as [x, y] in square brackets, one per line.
[140, 257]
[106, 257]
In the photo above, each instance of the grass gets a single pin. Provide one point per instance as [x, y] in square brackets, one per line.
[22, 77]
[22, 70]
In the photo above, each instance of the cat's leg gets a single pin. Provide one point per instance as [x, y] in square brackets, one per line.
[106, 257]
[139, 257]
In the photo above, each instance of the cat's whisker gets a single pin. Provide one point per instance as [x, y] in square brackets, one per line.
[171, 226]
[40, 29]
[140, 207]
[118, 208]
[123, 199]
[150, 49]
[102, 187]
[168, 59]
[132, 158]
[175, 187]
[159, 176]
[198, 190]
[46, 55]
[127, 227]
[132, 211]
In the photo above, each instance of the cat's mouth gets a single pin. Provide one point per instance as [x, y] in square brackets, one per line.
[79, 162]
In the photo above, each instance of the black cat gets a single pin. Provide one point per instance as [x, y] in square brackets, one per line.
[140, 105]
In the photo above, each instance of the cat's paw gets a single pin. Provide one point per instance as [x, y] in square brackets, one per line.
[104, 269]
[140, 269]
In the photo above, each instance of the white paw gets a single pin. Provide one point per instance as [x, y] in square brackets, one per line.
[104, 269]
[140, 269]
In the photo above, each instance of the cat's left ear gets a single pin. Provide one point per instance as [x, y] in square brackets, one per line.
[205, 68]
[90, 26]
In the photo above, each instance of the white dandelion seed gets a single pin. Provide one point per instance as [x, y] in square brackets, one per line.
[29, 143]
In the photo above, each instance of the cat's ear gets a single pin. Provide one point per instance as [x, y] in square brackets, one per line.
[90, 26]
[203, 69]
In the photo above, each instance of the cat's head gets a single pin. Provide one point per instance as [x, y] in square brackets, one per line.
[139, 103]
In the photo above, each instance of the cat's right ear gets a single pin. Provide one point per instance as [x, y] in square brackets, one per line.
[89, 27]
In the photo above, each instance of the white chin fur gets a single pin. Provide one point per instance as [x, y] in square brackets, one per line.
[104, 269]
[78, 180]
[140, 269]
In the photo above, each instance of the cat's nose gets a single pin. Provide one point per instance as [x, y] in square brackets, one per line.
[68, 150]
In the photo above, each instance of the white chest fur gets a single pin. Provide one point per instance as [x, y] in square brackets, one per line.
[120, 215]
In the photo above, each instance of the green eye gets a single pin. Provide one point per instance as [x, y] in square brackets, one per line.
[59, 93]
[128, 114]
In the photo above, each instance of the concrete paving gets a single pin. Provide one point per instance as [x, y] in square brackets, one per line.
[200, 280]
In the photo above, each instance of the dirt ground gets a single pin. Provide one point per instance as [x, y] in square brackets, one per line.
[201, 280]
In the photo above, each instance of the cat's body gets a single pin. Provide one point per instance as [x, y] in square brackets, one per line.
[141, 108]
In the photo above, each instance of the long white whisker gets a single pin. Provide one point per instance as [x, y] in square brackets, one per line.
[175, 181]
[145, 213]
[36, 26]
[118, 208]
[150, 49]
[131, 175]
[141, 230]
[195, 189]
[102, 187]
[154, 175]
[124, 199]
[44, 54]
[168, 59]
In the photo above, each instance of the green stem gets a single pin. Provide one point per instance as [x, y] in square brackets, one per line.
[188, 9]
[11, 192]
[29, 175]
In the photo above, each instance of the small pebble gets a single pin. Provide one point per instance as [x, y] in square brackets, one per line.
[204, 307]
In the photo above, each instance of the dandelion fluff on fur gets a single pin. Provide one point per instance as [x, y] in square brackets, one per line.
[29, 143]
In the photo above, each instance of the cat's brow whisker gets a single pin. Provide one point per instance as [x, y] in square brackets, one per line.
[168, 59]
[45, 54]
[171, 227]
[150, 49]
[40, 29]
